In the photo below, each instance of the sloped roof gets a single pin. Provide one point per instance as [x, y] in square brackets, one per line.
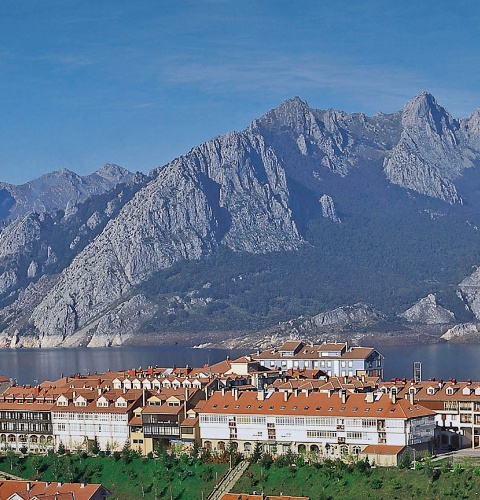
[314, 404]
[39, 488]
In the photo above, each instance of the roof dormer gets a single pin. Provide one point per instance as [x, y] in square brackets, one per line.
[62, 400]
[136, 384]
[102, 402]
[117, 383]
[80, 401]
[121, 402]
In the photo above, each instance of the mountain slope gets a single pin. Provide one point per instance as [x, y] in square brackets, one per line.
[303, 212]
[56, 189]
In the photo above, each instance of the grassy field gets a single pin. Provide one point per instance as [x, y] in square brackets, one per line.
[184, 478]
[343, 482]
[138, 477]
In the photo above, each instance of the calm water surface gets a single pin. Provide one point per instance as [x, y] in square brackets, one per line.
[30, 366]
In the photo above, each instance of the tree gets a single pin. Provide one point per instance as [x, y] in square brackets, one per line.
[257, 453]
[195, 451]
[36, 462]
[12, 458]
[93, 446]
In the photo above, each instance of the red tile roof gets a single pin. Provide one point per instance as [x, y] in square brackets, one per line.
[383, 449]
[314, 404]
[40, 488]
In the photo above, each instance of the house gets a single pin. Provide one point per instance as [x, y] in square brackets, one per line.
[82, 416]
[336, 359]
[456, 404]
[33, 490]
[162, 417]
[26, 419]
[329, 425]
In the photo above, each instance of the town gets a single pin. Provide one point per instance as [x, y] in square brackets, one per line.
[329, 400]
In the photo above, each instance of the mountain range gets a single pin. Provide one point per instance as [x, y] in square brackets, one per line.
[307, 221]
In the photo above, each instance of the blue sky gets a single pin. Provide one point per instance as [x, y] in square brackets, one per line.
[138, 83]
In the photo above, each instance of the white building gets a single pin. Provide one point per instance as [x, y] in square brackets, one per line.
[80, 418]
[336, 360]
[336, 425]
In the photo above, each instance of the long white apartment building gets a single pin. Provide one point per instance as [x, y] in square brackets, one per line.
[328, 424]
[80, 417]
[335, 359]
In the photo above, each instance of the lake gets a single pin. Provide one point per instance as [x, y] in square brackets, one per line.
[30, 366]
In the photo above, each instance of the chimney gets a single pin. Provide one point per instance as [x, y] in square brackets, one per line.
[261, 395]
[28, 485]
[394, 397]
[99, 391]
[343, 395]
[150, 371]
[412, 397]
[370, 397]
[285, 396]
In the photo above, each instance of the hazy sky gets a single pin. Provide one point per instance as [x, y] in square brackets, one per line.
[139, 82]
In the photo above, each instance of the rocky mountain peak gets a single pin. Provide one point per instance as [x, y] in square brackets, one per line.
[427, 311]
[422, 114]
[293, 114]
[428, 156]
[113, 172]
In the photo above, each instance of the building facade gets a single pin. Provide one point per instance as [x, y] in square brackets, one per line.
[329, 425]
[336, 360]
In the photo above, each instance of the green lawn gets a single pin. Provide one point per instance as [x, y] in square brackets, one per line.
[132, 477]
[127, 480]
[332, 482]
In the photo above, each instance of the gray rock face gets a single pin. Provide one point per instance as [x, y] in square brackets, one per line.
[461, 331]
[328, 208]
[356, 315]
[229, 191]
[429, 155]
[427, 311]
[336, 140]
[470, 292]
[57, 189]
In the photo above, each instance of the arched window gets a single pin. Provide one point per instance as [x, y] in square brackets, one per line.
[302, 448]
[42, 439]
[3, 438]
[314, 448]
[207, 445]
[221, 445]
[11, 438]
[34, 439]
[344, 449]
[22, 438]
[247, 447]
[50, 440]
[356, 450]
